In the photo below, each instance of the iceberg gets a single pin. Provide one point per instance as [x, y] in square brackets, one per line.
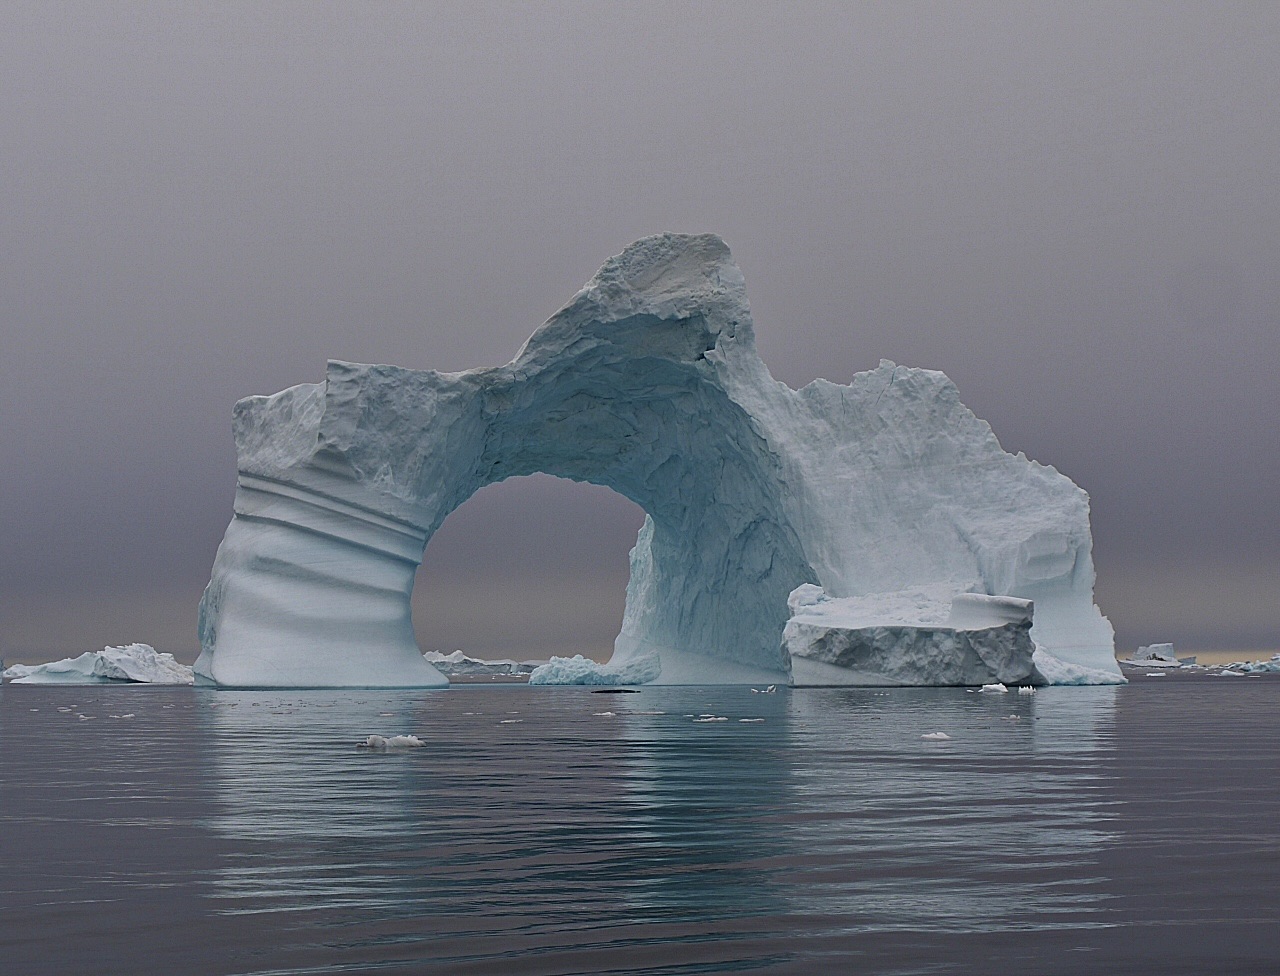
[458, 664]
[1155, 656]
[1271, 666]
[647, 382]
[920, 636]
[579, 670]
[129, 664]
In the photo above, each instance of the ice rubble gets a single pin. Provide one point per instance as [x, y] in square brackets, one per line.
[647, 382]
[131, 663]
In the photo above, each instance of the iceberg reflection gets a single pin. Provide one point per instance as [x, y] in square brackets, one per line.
[558, 822]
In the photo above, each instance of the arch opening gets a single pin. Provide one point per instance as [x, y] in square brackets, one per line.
[527, 568]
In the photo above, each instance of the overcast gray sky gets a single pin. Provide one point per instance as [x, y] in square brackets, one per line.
[1073, 209]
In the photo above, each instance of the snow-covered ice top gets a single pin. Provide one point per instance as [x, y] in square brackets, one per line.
[131, 663]
[647, 382]
[937, 605]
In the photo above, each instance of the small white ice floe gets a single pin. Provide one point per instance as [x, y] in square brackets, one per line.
[711, 718]
[1026, 690]
[127, 715]
[748, 720]
[510, 721]
[1233, 674]
[936, 736]
[386, 715]
[604, 714]
[1154, 674]
[764, 691]
[392, 742]
[995, 689]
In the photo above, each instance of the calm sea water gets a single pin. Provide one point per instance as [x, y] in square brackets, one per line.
[1079, 830]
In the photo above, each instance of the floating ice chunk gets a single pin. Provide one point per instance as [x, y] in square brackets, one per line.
[712, 718]
[131, 663]
[937, 736]
[746, 721]
[1026, 690]
[765, 691]
[996, 689]
[579, 670]
[919, 636]
[380, 742]
[604, 714]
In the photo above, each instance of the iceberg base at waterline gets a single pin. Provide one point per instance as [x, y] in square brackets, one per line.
[128, 664]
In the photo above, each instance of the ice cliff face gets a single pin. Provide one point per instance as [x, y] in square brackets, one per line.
[647, 382]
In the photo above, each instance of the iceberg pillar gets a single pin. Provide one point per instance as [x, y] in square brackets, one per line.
[310, 591]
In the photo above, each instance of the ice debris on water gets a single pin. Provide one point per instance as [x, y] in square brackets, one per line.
[936, 736]
[380, 743]
[765, 691]
[995, 689]
[1026, 690]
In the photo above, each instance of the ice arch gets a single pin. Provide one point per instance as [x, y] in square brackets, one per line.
[646, 382]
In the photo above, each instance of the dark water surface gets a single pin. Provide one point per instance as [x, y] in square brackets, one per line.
[1079, 830]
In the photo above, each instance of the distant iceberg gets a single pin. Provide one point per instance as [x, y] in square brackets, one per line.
[579, 670]
[1258, 667]
[458, 664]
[1155, 656]
[129, 664]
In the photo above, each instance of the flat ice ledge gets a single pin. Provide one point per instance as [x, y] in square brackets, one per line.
[922, 636]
